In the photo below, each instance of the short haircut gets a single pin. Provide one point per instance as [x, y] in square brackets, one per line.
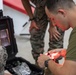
[53, 5]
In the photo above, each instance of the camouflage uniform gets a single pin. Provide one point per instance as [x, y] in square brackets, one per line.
[37, 35]
[3, 57]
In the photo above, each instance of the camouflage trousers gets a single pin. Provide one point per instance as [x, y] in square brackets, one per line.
[3, 58]
[37, 35]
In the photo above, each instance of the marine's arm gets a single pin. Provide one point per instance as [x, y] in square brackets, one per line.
[68, 68]
[27, 6]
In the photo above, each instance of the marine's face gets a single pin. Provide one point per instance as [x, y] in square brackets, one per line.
[57, 20]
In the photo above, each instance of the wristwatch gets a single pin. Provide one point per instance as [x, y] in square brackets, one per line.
[46, 62]
[31, 19]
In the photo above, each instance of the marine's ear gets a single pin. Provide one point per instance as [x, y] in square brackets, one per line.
[47, 12]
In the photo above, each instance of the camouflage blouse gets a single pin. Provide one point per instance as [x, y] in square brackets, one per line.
[3, 58]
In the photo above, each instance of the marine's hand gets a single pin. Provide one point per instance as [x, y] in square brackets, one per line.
[33, 25]
[41, 60]
[53, 33]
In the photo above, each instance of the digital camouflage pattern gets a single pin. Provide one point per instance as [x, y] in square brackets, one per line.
[3, 58]
[37, 35]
